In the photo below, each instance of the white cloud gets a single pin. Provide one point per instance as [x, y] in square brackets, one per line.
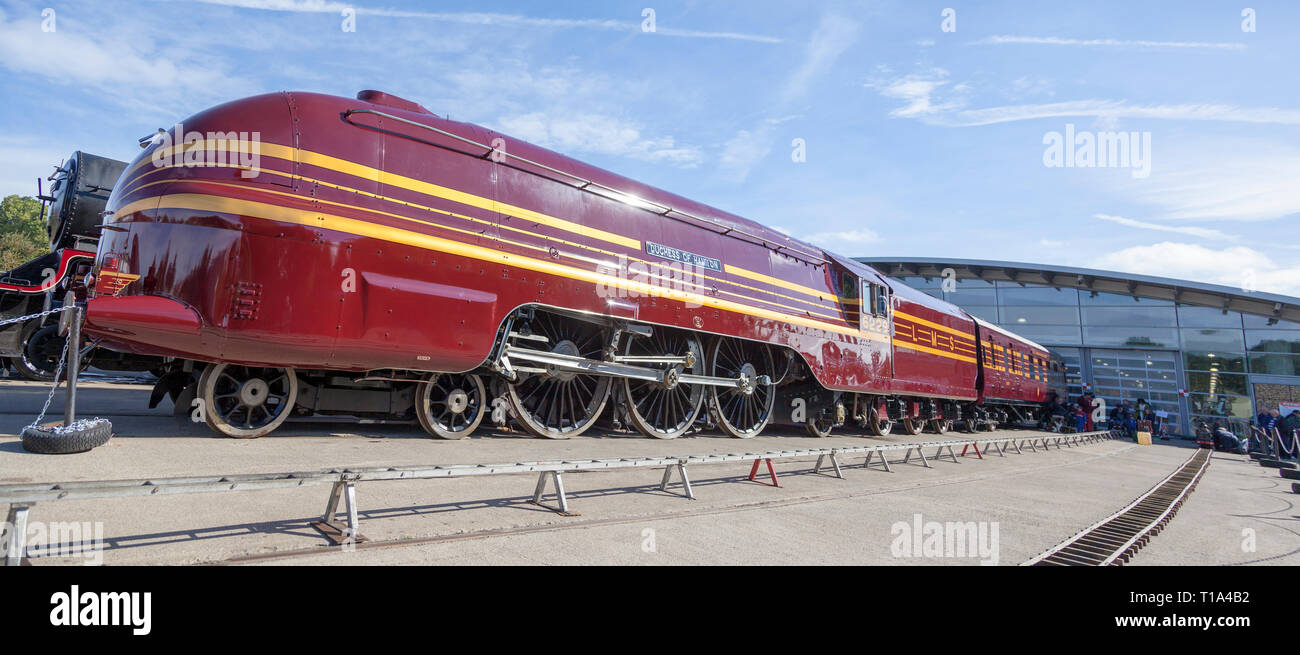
[484, 18]
[21, 162]
[916, 91]
[1225, 181]
[128, 67]
[930, 97]
[1238, 266]
[1112, 109]
[1106, 43]
[839, 240]
[594, 133]
[1202, 232]
[743, 151]
[1048, 243]
[834, 35]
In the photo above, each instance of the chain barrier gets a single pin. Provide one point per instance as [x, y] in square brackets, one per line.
[29, 317]
[81, 424]
[57, 373]
[1295, 444]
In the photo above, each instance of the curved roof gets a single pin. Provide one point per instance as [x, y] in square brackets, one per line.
[1257, 303]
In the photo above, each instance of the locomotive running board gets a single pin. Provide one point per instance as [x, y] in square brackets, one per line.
[575, 364]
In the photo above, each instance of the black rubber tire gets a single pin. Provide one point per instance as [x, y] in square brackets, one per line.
[43, 440]
[1290, 474]
[1276, 464]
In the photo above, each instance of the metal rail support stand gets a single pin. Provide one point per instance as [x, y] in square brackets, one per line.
[938, 453]
[753, 472]
[16, 540]
[975, 446]
[835, 462]
[681, 472]
[563, 509]
[1032, 446]
[883, 460]
[908, 456]
[345, 490]
[74, 364]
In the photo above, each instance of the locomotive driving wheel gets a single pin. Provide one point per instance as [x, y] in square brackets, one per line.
[450, 406]
[558, 404]
[913, 426]
[941, 425]
[664, 410]
[878, 423]
[246, 402]
[819, 427]
[744, 410]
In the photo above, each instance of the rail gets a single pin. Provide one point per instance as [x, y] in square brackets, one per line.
[1114, 540]
[22, 496]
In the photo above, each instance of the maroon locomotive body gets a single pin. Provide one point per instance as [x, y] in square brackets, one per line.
[428, 266]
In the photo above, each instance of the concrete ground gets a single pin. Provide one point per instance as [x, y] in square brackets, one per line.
[1023, 504]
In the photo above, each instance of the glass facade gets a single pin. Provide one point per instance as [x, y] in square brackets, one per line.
[1191, 363]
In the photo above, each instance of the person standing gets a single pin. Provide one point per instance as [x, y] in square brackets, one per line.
[1087, 405]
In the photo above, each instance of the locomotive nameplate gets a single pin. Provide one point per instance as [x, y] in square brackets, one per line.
[682, 257]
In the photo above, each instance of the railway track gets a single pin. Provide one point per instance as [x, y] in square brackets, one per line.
[1115, 539]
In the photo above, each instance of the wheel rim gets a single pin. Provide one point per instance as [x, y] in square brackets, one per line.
[912, 426]
[941, 426]
[40, 352]
[878, 426]
[559, 405]
[451, 406]
[819, 427]
[664, 411]
[247, 401]
[742, 412]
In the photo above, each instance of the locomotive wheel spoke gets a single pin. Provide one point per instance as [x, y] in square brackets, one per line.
[878, 424]
[818, 427]
[560, 405]
[738, 413]
[654, 409]
[451, 406]
[246, 402]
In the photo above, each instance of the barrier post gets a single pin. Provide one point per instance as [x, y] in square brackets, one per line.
[17, 541]
[681, 471]
[74, 365]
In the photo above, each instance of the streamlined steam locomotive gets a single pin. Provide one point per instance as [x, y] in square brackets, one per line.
[364, 256]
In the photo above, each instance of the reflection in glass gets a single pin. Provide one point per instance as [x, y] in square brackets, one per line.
[1039, 315]
[1196, 360]
[1214, 382]
[1219, 405]
[1274, 364]
[1190, 316]
[1215, 341]
[1038, 296]
[1116, 300]
[1136, 316]
[1273, 341]
[1136, 337]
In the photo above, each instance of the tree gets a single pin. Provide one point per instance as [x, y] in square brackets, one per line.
[22, 231]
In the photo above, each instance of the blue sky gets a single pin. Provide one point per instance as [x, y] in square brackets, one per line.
[919, 141]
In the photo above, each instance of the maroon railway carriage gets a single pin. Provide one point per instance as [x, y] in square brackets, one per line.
[374, 259]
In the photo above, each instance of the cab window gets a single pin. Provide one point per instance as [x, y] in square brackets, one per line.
[878, 295]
